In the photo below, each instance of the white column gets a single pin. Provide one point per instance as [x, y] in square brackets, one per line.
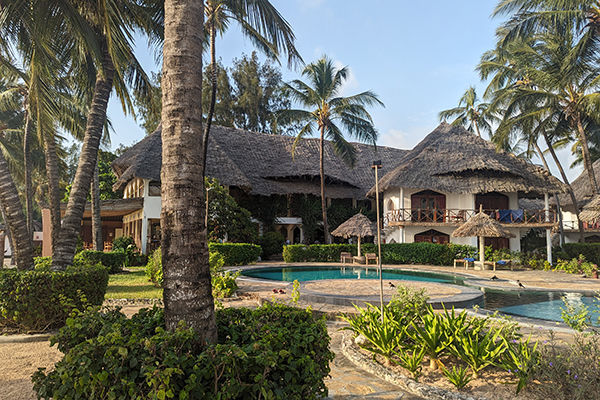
[401, 211]
[144, 233]
[548, 231]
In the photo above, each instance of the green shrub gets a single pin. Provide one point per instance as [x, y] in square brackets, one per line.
[392, 253]
[41, 299]
[271, 244]
[124, 243]
[577, 265]
[236, 253]
[154, 268]
[272, 352]
[591, 251]
[42, 262]
[113, 261]
[459, 377]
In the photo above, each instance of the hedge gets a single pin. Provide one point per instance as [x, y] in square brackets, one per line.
[113, 261]
[591, 251]
[392, 253]
[236, 253]
[273, 352]
[41, 299]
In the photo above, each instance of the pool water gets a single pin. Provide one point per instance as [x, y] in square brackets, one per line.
[302, 274]
[530, 304]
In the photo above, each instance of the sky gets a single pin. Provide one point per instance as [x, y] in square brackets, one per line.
[418, 56]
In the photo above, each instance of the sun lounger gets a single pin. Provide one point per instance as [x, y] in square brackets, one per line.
[371, 256]
[345, 256]
[464, 261]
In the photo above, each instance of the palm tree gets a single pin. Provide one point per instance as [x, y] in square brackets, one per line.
[471, 113]
[328, 109]
[187, 286]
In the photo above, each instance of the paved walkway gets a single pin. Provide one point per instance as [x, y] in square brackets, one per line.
[346, 381]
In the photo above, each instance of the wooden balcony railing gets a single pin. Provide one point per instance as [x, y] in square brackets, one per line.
[458, 216]
[587, 226]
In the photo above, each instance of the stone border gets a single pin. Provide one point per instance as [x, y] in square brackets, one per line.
[364, 362]
[24, 338]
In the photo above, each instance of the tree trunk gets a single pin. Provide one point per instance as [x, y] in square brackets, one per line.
[27, 174]
[322, 173]
[71, 224]
[587, 160]
[566, 181]
[95, 208]
[477, 128]
[10, 241]
[53, 178]
[211, 108]
[21, 245]
[187, 293]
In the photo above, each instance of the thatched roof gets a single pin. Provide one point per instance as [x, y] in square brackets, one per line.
[591, 211]
[358, 225]
[263, 164]
[582, 189]
[451, 159]
[483, 226]
[111, 207]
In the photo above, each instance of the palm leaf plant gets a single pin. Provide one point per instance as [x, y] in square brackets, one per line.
[412, 361]
[330, 114]
[474, 115]
[430, 333]
[479, 347]
[459, 377]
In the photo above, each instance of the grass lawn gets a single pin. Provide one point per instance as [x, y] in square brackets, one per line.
[132, 285]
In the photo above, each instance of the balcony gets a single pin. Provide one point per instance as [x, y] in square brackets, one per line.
[587, 226]
[455, 217]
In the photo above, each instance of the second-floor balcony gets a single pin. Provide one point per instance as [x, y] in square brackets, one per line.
[455, 217]
[571, 225]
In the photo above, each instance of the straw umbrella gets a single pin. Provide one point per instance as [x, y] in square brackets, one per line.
[591, 211]
[482, 226]
[359, 226]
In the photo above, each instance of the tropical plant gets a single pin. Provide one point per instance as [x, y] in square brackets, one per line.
[186, 272]
[521, 359]
[428, 331]
[471, 113]
[412, 361]
[459, 377]
[328, 110]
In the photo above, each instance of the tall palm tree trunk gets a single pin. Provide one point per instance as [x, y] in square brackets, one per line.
[211, 108]
[587, 160]
[53, 178]
[71, 224]
[21, 245]
[187, 291]
[95, 208]
[477, 128]
[10, 241]
[566, 181]
[27, 174]
[322, 173]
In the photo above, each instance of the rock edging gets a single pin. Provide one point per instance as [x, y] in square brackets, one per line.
[351, 351]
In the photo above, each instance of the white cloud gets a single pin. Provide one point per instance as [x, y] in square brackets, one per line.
[402, 139]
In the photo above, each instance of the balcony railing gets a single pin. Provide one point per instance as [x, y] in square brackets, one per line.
[458, 216]
[587, 226]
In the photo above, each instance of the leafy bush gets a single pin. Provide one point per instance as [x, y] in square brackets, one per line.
[42, 262]
[392, 253]
[591, 251]
[577, 265]
[459, 377]
[113, 261]
[570, 372]
[41, 299]
[236, 253]
[272, 352]
[271, 243]
[154, 268]
[124, 243]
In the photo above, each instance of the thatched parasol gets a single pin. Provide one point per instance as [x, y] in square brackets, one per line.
[591, 211]
[482, 226]
[359, 226]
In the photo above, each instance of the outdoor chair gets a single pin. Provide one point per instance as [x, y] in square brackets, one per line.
[503, 263]
[345, 256]
[371, 256]
[464, 261]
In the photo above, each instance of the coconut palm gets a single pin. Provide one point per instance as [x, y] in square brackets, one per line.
[187, 287]
[330, 113]
[474, 115]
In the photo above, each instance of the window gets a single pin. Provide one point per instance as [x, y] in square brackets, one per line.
[432, 236]
[428, 206]
[390, 205]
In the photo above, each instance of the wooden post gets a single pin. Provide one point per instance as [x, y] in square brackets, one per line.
[376, 166]
[548, 231]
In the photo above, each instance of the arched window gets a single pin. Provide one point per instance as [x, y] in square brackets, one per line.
[428, 206]
[390, 205]
[432, 236]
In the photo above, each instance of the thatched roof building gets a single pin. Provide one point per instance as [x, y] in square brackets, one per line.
[263, 164]
[451, 159]
[582, 189]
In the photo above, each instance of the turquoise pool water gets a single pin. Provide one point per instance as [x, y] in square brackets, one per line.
[290, 274]
[530, 304]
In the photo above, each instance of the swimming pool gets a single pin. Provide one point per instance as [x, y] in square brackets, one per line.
[531, 304]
